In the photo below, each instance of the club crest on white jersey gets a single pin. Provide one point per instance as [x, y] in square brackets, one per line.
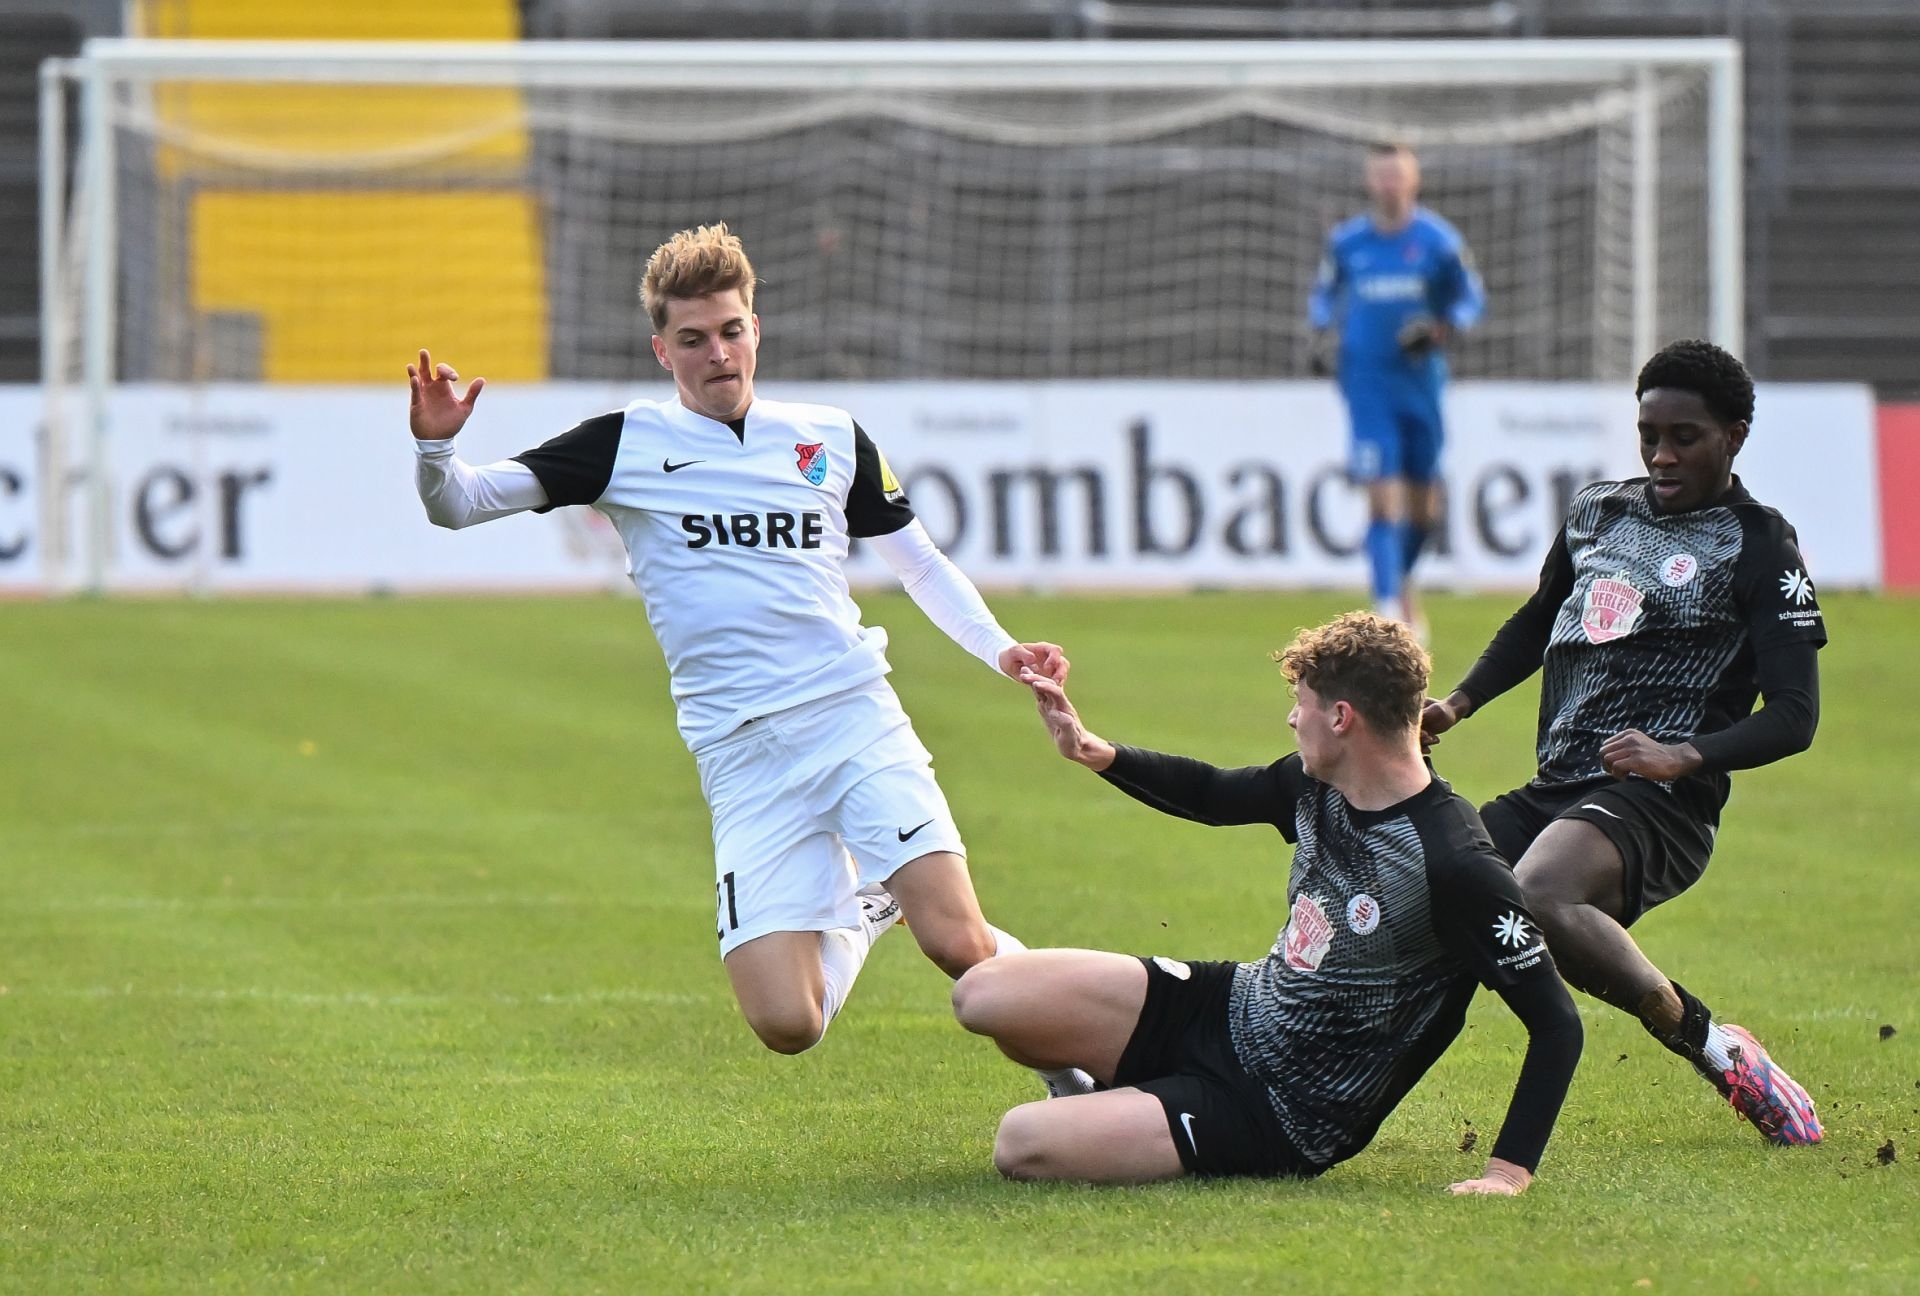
[813, 461]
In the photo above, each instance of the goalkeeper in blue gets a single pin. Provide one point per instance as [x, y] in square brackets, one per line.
[1395, 286]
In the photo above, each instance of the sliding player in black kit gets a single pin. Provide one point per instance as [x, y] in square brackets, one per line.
[1667, 605]
[1398, 909]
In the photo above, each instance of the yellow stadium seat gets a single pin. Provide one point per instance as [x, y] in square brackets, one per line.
[348, 286]
[331, 20]
[346, 282]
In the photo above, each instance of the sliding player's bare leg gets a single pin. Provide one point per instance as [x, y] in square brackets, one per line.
[1061, 1007]
[1057, 1007]
[1120, 1136]
[943, 913]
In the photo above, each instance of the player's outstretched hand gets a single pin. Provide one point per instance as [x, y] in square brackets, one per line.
[1502, 1179]
[1070, 737]
[1028, 661]
[1632, 752]
[436, 413]
[1436, 718]
[1057, 713]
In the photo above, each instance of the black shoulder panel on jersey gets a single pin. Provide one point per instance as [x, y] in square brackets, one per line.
[876, 505]
[577, 466]
[1770, 583]
[1479, 911]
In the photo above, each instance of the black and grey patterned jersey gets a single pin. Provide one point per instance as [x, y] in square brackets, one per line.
[1652, 621]
[1394, 917]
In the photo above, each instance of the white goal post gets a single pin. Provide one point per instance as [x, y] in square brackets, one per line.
[962, 210]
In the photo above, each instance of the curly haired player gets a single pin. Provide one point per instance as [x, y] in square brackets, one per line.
[1398, 908]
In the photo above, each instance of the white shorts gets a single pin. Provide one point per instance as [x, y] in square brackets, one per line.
[810, 804]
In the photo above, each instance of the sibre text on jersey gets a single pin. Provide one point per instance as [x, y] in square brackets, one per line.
[754, 530]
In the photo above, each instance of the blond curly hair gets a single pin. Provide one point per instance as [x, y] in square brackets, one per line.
[1372, 664]
[696, 263]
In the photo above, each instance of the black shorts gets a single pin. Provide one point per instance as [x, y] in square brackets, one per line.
[1664, 837]
[1181, 1052]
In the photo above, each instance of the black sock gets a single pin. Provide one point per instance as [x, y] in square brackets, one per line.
[1691, 1038]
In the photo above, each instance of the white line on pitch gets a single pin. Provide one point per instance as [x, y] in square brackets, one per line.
[356, 998]
[334, 900]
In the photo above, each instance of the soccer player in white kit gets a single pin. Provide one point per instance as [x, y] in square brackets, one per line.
[736, 513]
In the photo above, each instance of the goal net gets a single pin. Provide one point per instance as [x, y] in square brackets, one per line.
[304, 213]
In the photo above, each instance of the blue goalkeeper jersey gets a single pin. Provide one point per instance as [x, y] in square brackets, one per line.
[1371, 284]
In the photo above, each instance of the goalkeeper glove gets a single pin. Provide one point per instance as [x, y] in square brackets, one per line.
[1420, 335]
[1324, 359]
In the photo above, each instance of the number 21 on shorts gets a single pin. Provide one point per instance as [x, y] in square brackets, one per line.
[728, 913]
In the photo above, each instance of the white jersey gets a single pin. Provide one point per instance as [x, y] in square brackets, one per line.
[736, 536]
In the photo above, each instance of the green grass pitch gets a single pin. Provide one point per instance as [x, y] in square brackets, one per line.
[367, 946]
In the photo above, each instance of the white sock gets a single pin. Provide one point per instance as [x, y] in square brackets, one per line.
[843, 951]
[1718, 1042]
[1066, 1080]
